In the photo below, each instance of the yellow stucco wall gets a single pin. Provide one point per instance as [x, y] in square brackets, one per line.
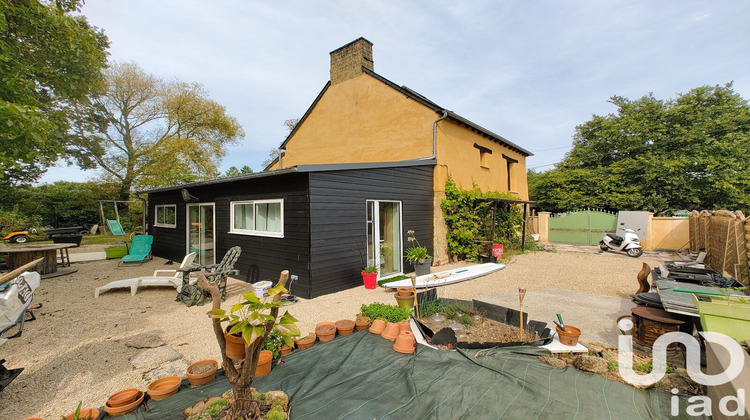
[362, 120]
[365, 120]
[456, 152]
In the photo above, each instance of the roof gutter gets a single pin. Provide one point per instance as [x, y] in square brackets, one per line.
[434, 133]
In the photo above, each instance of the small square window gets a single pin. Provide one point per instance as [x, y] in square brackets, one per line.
[166, 216]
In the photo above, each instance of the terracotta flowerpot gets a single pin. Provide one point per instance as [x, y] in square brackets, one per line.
[86, 413]
[569, 337]
[404, 326]
[405, 342]
[205, 372]
[326, 331]
[406, 302]
[124, 409]
[235, 345]
[405, 291]
[164, 387]
[124, 397]
[370, 280]
[390, 332]
[344, 327]
[377, 326]
[361, 323]
[305, 342]
[285, 350]
[264, 363]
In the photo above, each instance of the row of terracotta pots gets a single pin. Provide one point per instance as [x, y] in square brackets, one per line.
[400, 332]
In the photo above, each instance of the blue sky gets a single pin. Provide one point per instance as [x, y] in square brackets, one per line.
[529, 71]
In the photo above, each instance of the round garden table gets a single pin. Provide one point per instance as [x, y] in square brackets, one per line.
[20, 255]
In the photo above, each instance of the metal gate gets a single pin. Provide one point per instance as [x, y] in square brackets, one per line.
[581, 227]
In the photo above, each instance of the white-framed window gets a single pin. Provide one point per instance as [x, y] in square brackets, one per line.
[165, 215]
[257, 217]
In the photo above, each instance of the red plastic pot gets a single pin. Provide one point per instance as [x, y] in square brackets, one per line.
[370, 280]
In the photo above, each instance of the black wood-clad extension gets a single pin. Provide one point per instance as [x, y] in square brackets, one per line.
[324, 223]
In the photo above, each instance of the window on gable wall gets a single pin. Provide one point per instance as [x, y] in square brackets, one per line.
[259, 217]
[510, 163]
[165, 215]
[484, 156]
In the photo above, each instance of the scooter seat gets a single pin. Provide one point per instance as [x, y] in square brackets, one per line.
[616, 238]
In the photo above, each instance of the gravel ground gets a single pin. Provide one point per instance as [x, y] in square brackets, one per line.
[75, 350]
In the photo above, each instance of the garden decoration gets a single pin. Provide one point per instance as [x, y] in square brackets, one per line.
[255, 319]
[521, 295]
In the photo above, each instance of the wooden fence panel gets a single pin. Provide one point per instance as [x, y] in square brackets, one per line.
[725, 237]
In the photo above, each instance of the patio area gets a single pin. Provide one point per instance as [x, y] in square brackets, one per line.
[80, 348]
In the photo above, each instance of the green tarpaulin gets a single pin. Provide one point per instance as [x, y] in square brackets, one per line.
[361, 377]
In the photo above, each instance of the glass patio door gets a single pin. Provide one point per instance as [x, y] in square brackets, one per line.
[384, 244]
[201, 235]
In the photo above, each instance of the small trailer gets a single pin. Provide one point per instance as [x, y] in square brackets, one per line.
[73, 230]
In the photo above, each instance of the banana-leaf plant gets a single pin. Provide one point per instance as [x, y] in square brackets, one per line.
[255, 319]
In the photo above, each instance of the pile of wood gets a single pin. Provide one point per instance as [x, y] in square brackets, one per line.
[725, 237]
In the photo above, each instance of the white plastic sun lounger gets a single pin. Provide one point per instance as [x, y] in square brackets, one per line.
[160, 278]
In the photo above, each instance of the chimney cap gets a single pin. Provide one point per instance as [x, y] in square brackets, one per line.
[351, 43]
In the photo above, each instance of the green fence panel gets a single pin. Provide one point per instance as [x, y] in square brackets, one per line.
[581, 227]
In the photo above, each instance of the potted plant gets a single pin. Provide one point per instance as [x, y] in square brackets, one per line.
[255, 320]
[370, 276]
[417, 255]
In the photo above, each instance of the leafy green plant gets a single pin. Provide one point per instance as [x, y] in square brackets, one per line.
[249, 317]
[371, 269]
[273, 342]
[459, 313]
[415, 253]
[389, 313]
[254, 320]
[469, 221]
[430, 308]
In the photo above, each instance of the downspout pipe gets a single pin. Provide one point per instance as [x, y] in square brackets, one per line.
[434, 133]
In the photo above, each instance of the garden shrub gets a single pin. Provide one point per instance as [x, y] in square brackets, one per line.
[470, 221]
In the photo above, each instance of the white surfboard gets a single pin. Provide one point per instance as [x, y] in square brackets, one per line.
[450, 276]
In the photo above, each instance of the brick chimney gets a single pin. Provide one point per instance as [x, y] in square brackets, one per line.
[347, 61]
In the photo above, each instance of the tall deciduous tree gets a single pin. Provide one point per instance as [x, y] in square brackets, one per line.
[145, 132]
[692, 152]
[48, 58]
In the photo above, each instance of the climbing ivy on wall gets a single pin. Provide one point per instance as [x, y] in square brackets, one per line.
[470, 221]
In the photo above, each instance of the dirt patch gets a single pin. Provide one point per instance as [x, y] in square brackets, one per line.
[603, 360]
[482, 330]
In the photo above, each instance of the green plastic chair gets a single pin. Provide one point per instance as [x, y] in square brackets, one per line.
[140, 249]
[115, 227]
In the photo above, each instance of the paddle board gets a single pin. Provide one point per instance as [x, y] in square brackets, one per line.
[450, 276]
